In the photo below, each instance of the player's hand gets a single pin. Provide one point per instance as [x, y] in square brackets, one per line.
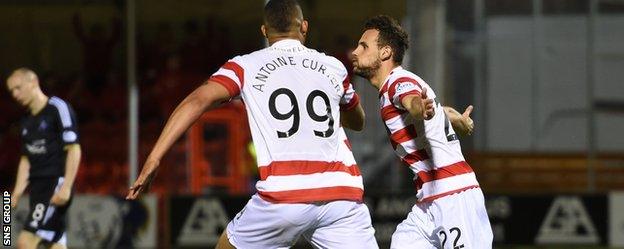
[462, 123]
[14, 200]
[427, 104]
[61, 197]
[467, 121]
[143, 182]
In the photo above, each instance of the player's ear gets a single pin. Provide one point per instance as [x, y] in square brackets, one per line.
[264, 31]
[386, 53]
[304, 27]
[30, 84]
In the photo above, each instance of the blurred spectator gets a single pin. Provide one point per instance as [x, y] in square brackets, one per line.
[192, 51]
[9, 152]
[97, 51]
[153, 56]
[342, 51]
[216, 39]
[173, 85]
[9, 139]
[52, 83]
[113, 99]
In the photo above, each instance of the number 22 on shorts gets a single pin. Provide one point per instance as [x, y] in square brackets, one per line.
[452, 231]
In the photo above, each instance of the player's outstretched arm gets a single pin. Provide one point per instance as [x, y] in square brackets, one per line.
[353, 118]
[419, 106]
[21, 182]
[461, 122]
[187, 112]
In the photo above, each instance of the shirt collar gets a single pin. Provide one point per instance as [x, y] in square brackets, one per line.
[388, 77]
[286, 44]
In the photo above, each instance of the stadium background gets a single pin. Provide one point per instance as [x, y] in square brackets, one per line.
[545, 77]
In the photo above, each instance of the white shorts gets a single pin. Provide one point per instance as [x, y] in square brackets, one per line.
[457, 221]
[335, 224]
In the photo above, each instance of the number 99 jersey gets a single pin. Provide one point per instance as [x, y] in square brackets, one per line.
[293, 96]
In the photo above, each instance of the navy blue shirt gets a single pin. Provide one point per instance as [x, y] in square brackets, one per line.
[45, 135]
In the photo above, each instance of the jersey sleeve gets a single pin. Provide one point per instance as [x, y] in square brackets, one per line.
[231, 76]
[350, 99]
[402, 87]
[68, 124]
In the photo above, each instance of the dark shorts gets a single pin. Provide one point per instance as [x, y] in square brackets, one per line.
[44, 220]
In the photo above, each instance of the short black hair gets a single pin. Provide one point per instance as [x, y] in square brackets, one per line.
[280, 14]
[390, 34]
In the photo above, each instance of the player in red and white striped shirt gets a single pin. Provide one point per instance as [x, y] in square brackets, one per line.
[298, 100]
[450, 212]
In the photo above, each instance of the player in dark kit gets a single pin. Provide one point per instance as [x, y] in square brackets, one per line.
[49, 162]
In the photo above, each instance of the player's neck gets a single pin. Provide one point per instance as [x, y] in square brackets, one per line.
[273, 38]
[38, 103]
[382, 73]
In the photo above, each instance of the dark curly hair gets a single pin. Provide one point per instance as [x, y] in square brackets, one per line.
[279, 14]
[390, 34]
